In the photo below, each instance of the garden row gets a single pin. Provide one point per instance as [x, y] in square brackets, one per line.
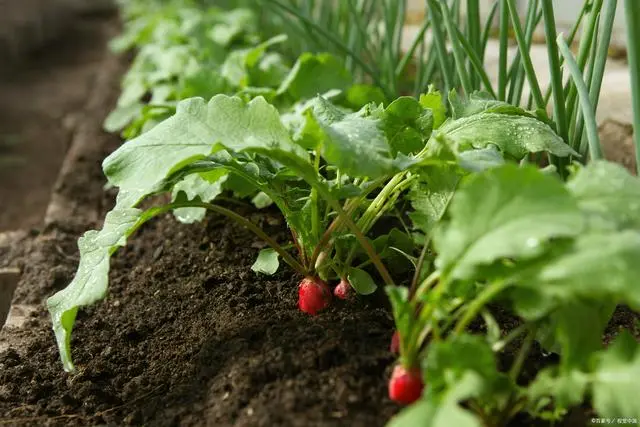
[439, 197]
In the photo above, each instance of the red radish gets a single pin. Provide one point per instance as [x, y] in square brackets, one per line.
[313, 295]
[343, 290]
[405, 386]
[395, 343]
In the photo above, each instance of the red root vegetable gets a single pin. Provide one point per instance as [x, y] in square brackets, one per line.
[395, 343]
[405, 386]
[313, 295]
[343, 290]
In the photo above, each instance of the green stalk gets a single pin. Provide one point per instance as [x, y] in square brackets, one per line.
[487, 29]
[375, 259]
[315, 214]
[588, 112]
[474, 37]
[458, 52]
[476, 63]
[504, 48]
[555, 70]
[386, 192]
[523, 46]
[355, 14]
[516, 368]
[579, 138]
[474, 308]
[338, 44]
[389, 18]
[583, 57]
[632, 14]
[399, 27]
[517, 74]
[570, 39]
[439, 42]
[426, 70]
[417, 41]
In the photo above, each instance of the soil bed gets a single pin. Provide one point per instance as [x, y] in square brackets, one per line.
[189, 334]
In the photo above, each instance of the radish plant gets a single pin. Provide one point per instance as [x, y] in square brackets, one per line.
[319, 171]
[538, 247]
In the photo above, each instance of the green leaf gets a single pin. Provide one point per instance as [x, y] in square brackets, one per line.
[90, 282]
[355, 144]
[361, 281]
[139, 165]
[615, 386]
[513, 134]
[477, 102]
[448, 361]
[148, 163]
[580, 271]
[431, 194]
[401, 308]
[359, 95]
[205, 187]
[261, 200]
[119, 118]
[566, 388]
[236, 68]
[407, 125]
[313, 75]
[433, 101]
[504, 212]
[267, 262]
[608, 194]
[481, 160]
[576, 328]
[234, 23]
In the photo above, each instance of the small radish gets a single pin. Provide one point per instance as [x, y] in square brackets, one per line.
[405, 386]
[313, 295]
[343, 290]
[395, 343]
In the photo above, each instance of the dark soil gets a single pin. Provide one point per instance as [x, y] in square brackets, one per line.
[189, 333]
[41, 99]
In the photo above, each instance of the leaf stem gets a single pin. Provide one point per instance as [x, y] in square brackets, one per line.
[516, 368]
[474, 308]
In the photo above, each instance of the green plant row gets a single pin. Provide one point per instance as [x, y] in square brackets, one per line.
[214, 104]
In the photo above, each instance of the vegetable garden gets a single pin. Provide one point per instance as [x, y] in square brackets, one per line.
[315, 226]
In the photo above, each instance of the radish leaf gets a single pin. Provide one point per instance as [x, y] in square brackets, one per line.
[616, 386]
[267, 262]
[361, 281]
[504, 212]
[514, 134]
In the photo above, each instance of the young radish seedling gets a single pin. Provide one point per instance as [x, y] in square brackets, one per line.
[229, 137]
[542, 258]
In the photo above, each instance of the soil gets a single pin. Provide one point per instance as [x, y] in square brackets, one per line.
[41, 99]
[188, 335]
